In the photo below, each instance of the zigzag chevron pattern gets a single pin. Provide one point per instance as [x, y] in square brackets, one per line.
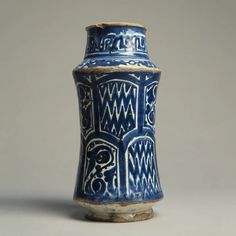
[117, 103]
[142, 175]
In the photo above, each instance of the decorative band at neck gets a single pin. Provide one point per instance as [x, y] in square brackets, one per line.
[116, 40]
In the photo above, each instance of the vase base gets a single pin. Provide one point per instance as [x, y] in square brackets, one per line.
[121, 217]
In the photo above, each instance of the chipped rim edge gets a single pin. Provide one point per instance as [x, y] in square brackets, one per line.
[121, 203]
[107, 24]
[107, 69]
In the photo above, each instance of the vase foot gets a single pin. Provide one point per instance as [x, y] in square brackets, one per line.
[121, 217]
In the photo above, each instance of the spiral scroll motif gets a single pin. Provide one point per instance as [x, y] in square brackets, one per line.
[86, 107]
[100, 170]
[150, 103]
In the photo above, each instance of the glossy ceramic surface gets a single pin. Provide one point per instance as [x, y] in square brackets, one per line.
[117, 88]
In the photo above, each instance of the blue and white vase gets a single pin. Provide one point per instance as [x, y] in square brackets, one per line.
[117, 87]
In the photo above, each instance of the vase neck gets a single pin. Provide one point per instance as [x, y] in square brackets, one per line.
[115, 40]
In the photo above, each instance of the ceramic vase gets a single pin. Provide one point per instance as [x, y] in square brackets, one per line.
[117, 85]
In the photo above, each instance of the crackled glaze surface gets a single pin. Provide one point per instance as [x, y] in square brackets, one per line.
[118, 160]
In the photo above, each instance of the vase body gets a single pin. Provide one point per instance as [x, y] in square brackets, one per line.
[117, 85]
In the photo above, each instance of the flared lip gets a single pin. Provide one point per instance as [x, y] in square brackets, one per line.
[107, 24]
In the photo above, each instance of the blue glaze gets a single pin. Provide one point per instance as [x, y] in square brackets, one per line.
[116, 41]
[118, 160]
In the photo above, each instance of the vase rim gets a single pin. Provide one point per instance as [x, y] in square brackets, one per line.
[107, 24]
